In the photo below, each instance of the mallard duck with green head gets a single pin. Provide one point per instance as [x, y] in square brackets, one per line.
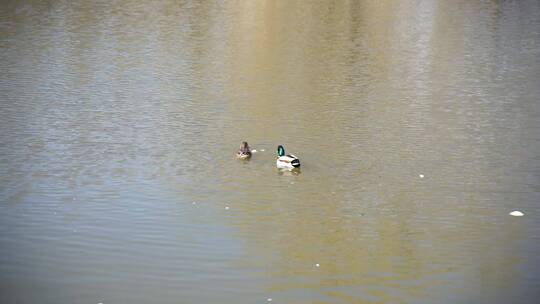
[288, 161]
[244, 152]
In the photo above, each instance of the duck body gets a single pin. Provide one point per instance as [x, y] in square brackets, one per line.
[286, 161]
[244, 152]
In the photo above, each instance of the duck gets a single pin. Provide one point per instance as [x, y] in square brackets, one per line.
[244, 152]
[288, 161]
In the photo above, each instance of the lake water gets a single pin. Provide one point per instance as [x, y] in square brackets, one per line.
[417, 124]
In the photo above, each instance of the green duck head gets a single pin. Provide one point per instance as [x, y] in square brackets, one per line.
[280, 151]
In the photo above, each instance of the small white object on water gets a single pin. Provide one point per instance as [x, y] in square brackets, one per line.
[269, 299]
[227, 208]
[516, 213]
[194, 203]
[421, 175]
[262, 150]
[253, 151]
[317, 265]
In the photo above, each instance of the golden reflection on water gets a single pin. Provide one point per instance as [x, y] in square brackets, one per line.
[295, 65]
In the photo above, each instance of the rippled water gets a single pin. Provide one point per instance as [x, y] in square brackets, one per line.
[119, 121]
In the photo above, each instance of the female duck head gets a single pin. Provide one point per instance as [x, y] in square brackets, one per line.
[280, 151]
[245, 147]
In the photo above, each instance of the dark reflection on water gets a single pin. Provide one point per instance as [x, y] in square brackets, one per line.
[417, 124]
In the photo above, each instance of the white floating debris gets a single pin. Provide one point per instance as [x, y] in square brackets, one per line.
[262, 150]
[194, 203]
[421, 175]
[253, 151]
[516, 213]
[269, 299]
[227, 208]
[317, 265]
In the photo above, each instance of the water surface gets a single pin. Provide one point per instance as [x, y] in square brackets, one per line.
[119, 122]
